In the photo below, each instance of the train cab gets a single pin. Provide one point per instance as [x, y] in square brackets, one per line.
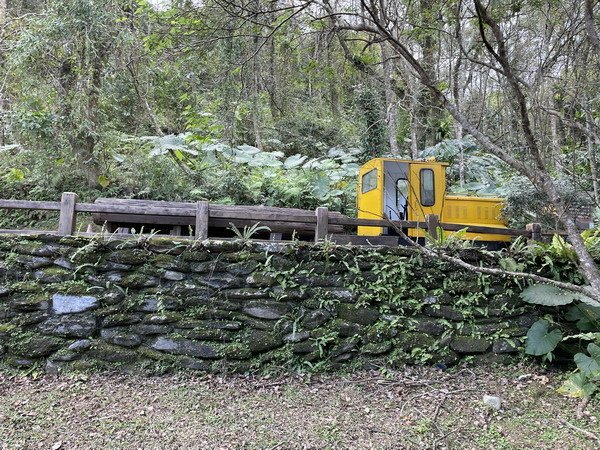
[410, 190]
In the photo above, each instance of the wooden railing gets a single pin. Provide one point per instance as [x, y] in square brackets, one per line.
[322, 222]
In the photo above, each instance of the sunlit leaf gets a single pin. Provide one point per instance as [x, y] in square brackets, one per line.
[578, 386]
[103, 181]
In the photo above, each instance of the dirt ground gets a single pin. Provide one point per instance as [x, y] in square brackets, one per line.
[416, 408]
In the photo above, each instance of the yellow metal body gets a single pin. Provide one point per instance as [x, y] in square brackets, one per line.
[410, 190]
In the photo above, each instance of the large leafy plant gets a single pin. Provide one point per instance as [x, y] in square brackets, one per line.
[245, 174]
[543, 338]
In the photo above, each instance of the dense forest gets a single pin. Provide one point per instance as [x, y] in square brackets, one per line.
[278, 102]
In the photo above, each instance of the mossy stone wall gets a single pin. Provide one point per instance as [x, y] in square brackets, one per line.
[229, 306]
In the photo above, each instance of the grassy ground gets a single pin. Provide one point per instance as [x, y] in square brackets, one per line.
[413, 409]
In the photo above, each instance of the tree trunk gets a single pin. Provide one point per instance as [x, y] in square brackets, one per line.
[85, 141]
[3, 16]
[390, 99]
[593, 170]
[456, 94]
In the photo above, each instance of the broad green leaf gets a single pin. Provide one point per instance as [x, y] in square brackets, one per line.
[586, 316]
[548, 295]
[589, 365]
[248, 149]
[540, 340]
[294, 161]
[578, 386]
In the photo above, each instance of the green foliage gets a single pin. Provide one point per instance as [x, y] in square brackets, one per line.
[548, 295]
[578, 386]
[586, 317]
[484, 173]
[586, 381]
[526, 204]
[449, 240]
[589, 365]
[541, 341]
[247, 233]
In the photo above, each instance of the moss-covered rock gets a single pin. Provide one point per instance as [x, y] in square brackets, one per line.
[407, 340]
[345, 328]
[259, 341]
[361, 316]
[315, 319]
[32, 346]
[237, 351]
[179, 346]
[33, 302]
[132, 256]
[376, 348]
[467, 344]
[104, 351]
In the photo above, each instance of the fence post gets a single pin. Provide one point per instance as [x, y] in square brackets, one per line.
[201, 220]
[68, 217]
[433, 222]
[322, 228]
[536, 231]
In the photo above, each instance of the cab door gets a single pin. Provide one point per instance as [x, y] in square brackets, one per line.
[369, 202]
[426, 195]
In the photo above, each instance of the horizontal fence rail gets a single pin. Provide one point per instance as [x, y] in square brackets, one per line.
[322, 222]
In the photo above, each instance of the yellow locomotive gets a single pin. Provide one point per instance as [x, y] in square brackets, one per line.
[410, 190]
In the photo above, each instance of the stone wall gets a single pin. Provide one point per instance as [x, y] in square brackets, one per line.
[78, 304]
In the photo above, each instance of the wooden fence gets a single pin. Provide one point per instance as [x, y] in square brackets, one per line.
[320, 223]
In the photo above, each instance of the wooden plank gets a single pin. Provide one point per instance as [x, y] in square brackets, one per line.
[68, 216]
[190, 211]
[536, 231]
[28, 204]
[322, 228]
[344, 239]
[163, 203]
[285, 227]
[433, 222]
[143, 219]
[184, 209]
[374, 222]
[263, 215]
[201, 221]
[136, 209]
[27, 232]
[484, 230]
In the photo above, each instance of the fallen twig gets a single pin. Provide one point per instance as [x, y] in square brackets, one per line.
[586, 433]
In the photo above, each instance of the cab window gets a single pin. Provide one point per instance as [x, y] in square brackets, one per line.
[401, 192]
[369, 181]
[427, 187]
[402, 198]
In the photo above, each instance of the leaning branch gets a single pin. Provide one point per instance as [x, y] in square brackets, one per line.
[493, 271]
[590, 26]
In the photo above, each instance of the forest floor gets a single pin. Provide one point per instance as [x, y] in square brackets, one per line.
[413, 409]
